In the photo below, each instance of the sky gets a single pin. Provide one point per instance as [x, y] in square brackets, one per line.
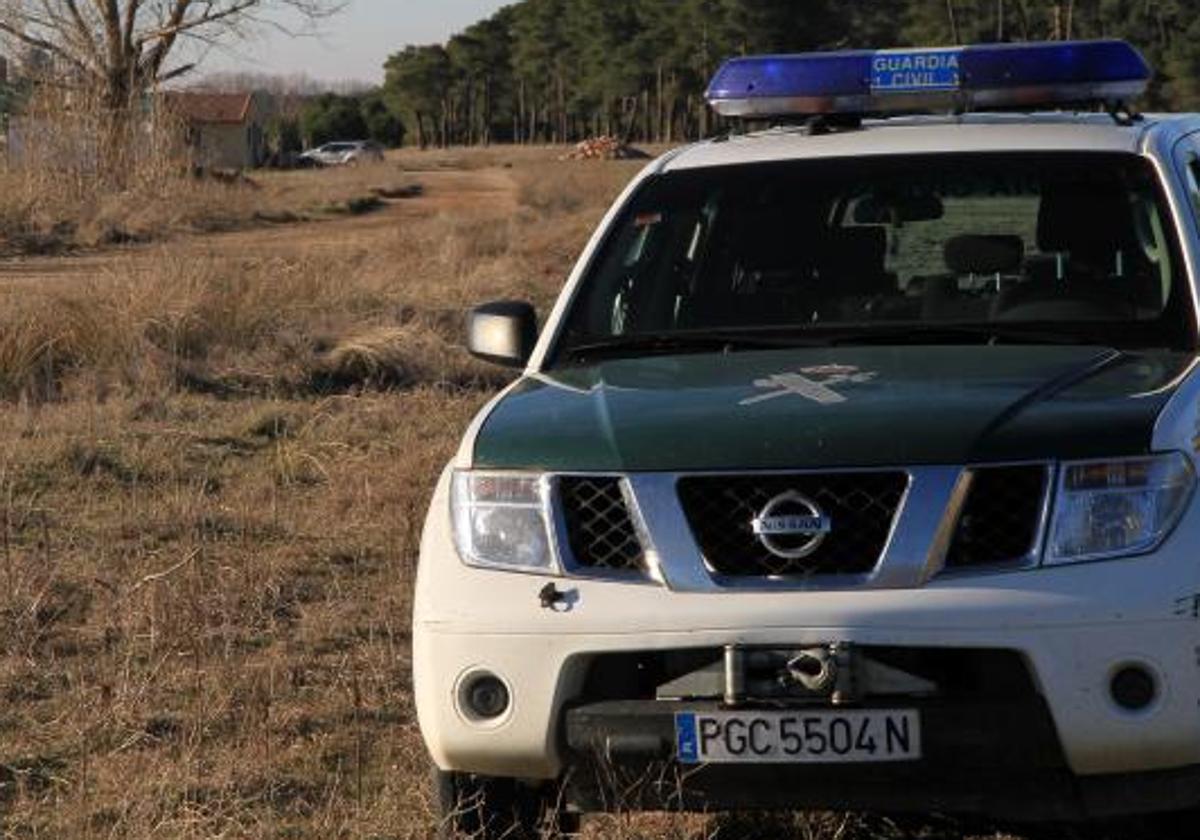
[354, 44]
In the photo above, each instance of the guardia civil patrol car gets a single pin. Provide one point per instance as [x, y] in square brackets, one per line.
[854, 468]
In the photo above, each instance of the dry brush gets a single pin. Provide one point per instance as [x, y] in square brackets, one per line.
[213, 470]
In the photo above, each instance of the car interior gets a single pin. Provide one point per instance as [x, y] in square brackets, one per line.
[1066, 246]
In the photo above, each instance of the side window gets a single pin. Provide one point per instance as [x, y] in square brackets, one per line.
[1191, 159]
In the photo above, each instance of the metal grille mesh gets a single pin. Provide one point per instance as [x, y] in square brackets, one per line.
[1000, 519]
[599, 529]
[860, 506]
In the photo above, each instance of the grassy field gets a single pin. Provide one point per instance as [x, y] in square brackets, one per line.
[217, 443]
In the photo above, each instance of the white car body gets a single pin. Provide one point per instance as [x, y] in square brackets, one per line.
[1073, 625]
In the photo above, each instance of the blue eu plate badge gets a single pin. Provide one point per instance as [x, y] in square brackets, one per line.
[685, 732]
[908, 71]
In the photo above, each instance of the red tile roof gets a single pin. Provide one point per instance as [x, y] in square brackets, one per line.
[231, 108]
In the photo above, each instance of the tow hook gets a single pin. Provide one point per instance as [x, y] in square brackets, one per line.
[815, 669]
[824, 670]
[556, 600]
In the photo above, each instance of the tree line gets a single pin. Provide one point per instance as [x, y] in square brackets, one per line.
[543, 71]
[561, 70]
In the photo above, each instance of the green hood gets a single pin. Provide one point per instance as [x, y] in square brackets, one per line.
[881, 406]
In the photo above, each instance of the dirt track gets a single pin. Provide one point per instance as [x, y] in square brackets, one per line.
[443, 191]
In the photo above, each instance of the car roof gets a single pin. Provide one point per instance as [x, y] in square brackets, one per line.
[1041, 132]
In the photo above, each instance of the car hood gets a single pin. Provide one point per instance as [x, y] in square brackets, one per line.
[843, 407]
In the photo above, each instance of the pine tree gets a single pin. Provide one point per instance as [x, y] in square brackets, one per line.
[559, 70]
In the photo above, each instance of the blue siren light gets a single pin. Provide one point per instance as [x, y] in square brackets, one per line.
[978, 77]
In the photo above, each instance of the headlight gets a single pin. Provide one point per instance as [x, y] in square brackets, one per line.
[1116, 508]
[500, 521]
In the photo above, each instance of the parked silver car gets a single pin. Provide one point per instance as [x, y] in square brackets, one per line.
[344, 153]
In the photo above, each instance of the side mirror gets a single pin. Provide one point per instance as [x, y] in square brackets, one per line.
[503, 332]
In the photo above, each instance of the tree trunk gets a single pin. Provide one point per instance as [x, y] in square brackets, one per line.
[562, 107]
[953, 22]
[659, 132]
[519, 117]
[630, 106]
[533, 127]
[487, 111]
[647, 117]
[1023, 17]
[671, 106]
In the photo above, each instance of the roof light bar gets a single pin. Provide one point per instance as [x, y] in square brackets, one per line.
[983, 76]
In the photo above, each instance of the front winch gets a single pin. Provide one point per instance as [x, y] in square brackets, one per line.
[755, 674]
[836, 673]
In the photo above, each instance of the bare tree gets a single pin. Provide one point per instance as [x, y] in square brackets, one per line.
[120, 48]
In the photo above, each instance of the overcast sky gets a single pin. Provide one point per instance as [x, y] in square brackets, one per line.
[354, 44]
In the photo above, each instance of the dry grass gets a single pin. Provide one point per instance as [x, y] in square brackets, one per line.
[34, 220]
[63, 189]
[214, 462]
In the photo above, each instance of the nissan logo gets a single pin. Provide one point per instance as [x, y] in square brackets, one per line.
[791, 526]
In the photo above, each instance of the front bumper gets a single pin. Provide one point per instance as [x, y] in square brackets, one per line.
[999, 759]
[1071, 627]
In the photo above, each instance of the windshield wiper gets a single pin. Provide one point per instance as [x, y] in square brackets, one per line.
[658, 344]
[774, 338]
[989, 333]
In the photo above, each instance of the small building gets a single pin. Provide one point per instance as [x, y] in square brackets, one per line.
[225, 130]
[38, 143]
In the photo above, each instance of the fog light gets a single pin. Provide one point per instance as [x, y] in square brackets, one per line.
[485, 696]
[1133, 688]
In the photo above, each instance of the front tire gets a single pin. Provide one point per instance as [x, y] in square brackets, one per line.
[490, 808]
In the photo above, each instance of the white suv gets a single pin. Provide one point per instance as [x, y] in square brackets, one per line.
[854, 467]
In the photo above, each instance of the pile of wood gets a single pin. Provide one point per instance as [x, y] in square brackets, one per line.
[603, 148]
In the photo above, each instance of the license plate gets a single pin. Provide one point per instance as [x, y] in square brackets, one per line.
[798, 737]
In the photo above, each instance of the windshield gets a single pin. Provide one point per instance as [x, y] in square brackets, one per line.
[1066, 248]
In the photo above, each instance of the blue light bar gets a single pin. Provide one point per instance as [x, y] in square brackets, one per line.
[975, 77]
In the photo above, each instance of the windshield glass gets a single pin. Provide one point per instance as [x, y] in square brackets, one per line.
[1070, 247]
